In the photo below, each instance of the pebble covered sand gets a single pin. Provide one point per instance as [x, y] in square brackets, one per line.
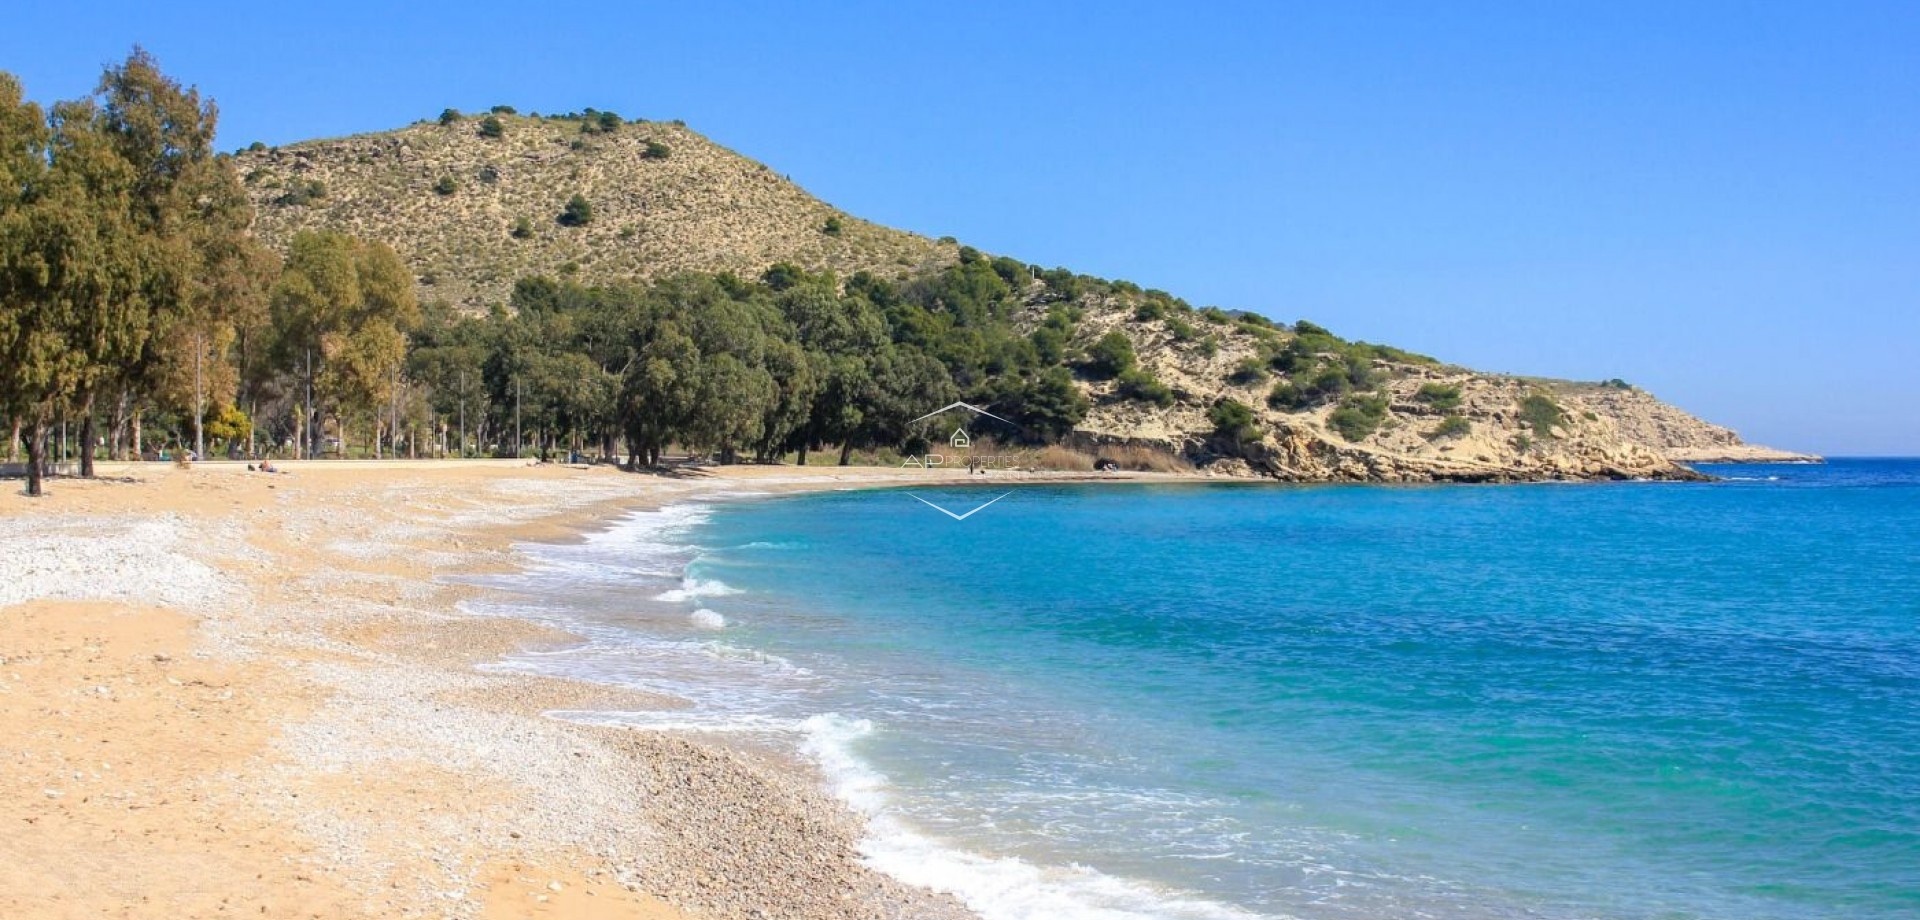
[387, 768]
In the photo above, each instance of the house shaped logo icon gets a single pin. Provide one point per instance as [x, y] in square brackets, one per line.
[960, 439]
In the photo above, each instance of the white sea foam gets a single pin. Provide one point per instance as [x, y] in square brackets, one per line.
[691, 588]
[735, 698]
[998, 888]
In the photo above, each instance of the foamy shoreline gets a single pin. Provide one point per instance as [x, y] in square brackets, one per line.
[374, 768]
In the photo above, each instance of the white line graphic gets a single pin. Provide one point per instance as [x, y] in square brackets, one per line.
[960, 405]
[957, 517]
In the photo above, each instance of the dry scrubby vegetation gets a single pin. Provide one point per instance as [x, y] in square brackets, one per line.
[474, 203]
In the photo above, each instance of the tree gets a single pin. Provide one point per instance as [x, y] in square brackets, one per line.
[449, 116]
[44, 234]
[341, 309]
[578, 212]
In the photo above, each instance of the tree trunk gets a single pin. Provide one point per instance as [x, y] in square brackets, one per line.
[36, 458]
[199, 403]
[86, 438]
[802, 460]
[13, 444]
[846, 454]
[139, 450]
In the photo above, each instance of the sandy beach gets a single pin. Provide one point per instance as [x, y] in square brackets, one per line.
[237, 694]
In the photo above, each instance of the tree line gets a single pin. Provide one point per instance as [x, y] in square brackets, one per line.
[134, 300]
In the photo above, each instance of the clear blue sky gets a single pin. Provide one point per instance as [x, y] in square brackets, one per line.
[1717, 201]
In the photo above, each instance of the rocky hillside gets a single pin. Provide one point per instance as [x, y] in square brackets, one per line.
[470, 213]
[474, 203]
[1434, 422]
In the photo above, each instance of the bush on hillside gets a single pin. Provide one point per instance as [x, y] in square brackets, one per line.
[1542, 414]
[491, 127]
[449, 116]
[655, 151]
[1249, 371]
[1110, 357]
[301, 193]
[1233, 420]
[1286, 397]
[832, 227]
[522, 229]
[446, 186]
[1452, 426]
[1358, 416]
[577, 213]
[1141, 386]
[1441, 396]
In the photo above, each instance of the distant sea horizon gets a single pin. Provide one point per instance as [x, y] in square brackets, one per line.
[1621, 701]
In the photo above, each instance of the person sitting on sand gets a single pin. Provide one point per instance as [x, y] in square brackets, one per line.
[266, 466]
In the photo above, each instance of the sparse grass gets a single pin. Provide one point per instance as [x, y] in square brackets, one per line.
[1453, 426]
[1057, 457]
[1145, 459]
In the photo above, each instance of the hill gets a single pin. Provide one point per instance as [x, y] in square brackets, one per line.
[448, 197]
[474, 204]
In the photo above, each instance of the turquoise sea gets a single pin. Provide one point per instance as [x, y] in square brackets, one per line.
[1626, 701]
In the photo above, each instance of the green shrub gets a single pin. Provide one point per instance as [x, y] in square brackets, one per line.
[1141, 386]
[1443, 397]
[655, 151]
[832, 227]
[1286, 397]
[1358, 416]
[257, 146]
[1541, 414]
[449, 116]
[301, 193]
[503, 110]
[1111, 356]
[577, 213]
[1249, 371]
[1452, 426]
[522, 229]
[1303, 327]
[608, 121]
[1215, 315]
[491, 127]
[446, 186]
[1150, 310]
[1233, 420]
[489, 175]
[1615, 383]
[1180, 329]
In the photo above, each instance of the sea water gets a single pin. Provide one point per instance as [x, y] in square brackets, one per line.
[1636, 700]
